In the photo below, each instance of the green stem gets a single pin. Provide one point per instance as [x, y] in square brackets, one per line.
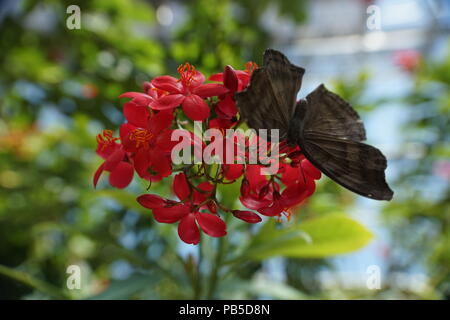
[198, 278]
[214, 275]
[33, 282]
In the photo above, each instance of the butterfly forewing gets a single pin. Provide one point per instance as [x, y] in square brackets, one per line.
[257, 105]
[285, 79]
[269, 100]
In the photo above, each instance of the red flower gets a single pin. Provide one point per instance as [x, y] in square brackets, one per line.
[293, 173]
[234, 81]
[188, 91]
[188, 140]
[145, 147]
[144, 99]
[187, 212]
[147, 137]
[220, 123]
[259, 193]
[232, 171]
[408, 60]
[268, 200]
[121, 171]
[243, 76]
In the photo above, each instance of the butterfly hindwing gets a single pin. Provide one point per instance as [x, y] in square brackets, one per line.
[336, 152]
[354, 165]
[330, 113]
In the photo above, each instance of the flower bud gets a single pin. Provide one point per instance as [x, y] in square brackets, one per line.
[212, 206]
[245, 187]
[247, 216]
[230, 79]
[264, 191]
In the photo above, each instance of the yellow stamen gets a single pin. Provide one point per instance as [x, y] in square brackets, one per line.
[141, 137]
[187, 73]
[250, 67]
[106, 138]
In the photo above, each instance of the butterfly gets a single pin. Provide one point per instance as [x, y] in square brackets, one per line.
[327, 129]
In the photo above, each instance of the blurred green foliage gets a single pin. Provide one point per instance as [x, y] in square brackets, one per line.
[419, 219]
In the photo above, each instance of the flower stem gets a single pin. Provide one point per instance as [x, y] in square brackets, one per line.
[33, 282]
[214, 275]
[198, 277]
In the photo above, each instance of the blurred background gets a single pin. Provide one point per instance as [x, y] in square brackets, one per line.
[59, 87]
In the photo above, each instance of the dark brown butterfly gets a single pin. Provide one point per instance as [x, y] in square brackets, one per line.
[327, 128]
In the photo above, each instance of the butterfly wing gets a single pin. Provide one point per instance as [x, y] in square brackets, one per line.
[330, 139]
[269, 100]
[329, 113]
[285, 79]
[258, 105]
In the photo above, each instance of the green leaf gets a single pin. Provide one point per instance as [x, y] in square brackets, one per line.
[316, 238]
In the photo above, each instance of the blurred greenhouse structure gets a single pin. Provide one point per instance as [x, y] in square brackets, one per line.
[59, 87]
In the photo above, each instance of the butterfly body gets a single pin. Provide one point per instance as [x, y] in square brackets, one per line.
[327, 129]
[295, 129]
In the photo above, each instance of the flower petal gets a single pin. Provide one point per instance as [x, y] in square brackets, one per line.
[138, 97]
[244, 79]
[164, 141]
[171, 214]
[221, 123]
[160, 121]
[135, 114]
[210, 90]
[294, 195]
[197, 79]
[167, 102]
[310, 170]
[125, 130]
[151, 201]
[254, 176]
[114, 159]
[275, 209]
[98, 173]
[181, 187]
[122, 175]
[160, 163]
[167, 83]
[211, 224]
[254, 203]
[142, 163]
[200, 197]
[188, 230]
[291, 175]
[195, 108]
[216, 77]
[226, 108]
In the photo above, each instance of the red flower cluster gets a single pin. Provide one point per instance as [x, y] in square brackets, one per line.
[145, 147]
